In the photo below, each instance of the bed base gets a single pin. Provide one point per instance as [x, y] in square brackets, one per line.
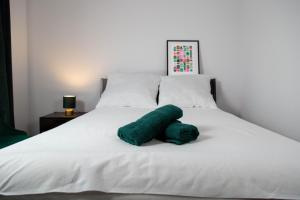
[104, 196]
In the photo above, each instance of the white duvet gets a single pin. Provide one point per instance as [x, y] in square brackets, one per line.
[231, 158]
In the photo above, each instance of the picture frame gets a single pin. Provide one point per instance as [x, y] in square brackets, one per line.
[183, 57]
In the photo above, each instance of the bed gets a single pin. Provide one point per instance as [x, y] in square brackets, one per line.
[85, 159]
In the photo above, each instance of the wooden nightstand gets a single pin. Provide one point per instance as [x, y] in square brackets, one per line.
[55, 119]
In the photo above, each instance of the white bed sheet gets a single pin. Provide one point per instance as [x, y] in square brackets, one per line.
[232, 158]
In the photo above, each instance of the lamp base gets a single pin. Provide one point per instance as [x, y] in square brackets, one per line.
[69, 112]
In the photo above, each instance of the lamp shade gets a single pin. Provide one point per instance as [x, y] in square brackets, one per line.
[69, 101]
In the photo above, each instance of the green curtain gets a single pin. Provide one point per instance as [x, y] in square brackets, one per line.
[6, 88]
[8, 135]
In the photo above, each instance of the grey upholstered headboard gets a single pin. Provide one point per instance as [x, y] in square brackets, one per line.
[212, 87]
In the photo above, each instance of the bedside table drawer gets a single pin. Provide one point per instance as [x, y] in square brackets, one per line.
[47, 124]
[56, 119]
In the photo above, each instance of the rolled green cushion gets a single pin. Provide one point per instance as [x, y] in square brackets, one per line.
[150, 125]
[179, 133]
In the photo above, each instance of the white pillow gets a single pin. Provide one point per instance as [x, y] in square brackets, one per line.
[186, 91]
[131, 90]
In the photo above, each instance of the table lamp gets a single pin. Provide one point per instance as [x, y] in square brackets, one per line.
[69, 103]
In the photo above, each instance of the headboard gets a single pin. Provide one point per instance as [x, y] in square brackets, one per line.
[212, 87]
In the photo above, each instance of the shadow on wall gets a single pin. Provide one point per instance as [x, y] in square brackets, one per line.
[80, 105]
[223, 101]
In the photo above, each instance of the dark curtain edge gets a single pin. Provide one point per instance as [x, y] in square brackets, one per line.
[5, 9]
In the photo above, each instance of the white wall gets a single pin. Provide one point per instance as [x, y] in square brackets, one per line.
[271, 47]
[18, 9]
[72, 43]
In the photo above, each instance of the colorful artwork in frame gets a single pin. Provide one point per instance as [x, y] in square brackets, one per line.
[183, 57]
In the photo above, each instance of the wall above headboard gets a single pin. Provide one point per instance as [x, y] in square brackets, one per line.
[73, 43]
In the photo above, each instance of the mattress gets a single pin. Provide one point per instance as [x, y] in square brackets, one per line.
[231, 158]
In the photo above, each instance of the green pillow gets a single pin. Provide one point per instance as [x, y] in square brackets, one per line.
[150, 125]
[179, 133]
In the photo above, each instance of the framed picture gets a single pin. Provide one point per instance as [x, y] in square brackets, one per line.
[183, 57]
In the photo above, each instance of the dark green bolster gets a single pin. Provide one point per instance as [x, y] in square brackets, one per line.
[150, 125]
[179, 133]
